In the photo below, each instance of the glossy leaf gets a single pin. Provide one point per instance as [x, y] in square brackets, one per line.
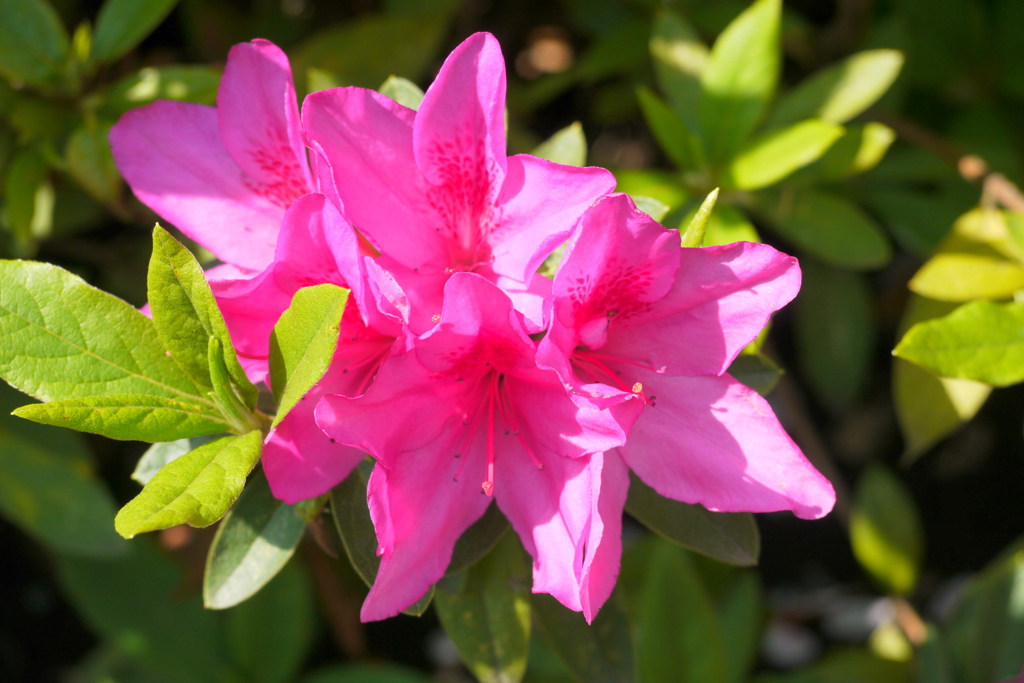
[739, 78]
[64, 339]
[33, 43]
[91, 164]
[159, 454]
[478, 540]
[29, 196]
[184, 83]
[859, 150]
[253, 543]
[567, 146]
[678, 142]
[303, 342]
[885, 530]
[982, 341]
[403, 91]
[679, 57]
[840, 92]
[196, 489]
[186, 315]
[757, 371]
[832, 228]
[488, 616]
[729, 537]
[727, 224]
[773, 156]
[599, 653]
[696, 229]
[835, 334]
[122, 24]
[130, 417]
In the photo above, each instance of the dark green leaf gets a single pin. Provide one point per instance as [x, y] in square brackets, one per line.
[885, 530]
[33, 43]
[29, 197]
[932, 662]
[185, 83]
[740, 613]
[403, 91]
[195, 489]
[757, 371]
[90, 162]
[679, 58]
[122, 24]
[253, 543]
[567, 146]
[64, 339]
[847, 665]
[601, 652]
[982, 341]
[679, 143]
[774, 155]
[367, 673]
[128, 417]
[728, 537]
[488, 617]
[693, 234]
[303, 342]
[477, 540]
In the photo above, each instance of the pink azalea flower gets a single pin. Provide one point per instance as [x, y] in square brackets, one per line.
[315, 246]
[467, 415]
[433, 189]
[224, 176]
[635, 311]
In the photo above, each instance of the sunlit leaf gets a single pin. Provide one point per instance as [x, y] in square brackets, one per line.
[29, 196]
[403, 91]
[859, 150]
[159, 454]
[567, 146]
[773, 156]
[678, 142]
[679, 57]
[695, 230]
[726, 225]
[651, 206]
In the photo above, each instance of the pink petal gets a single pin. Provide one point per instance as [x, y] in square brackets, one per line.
[713, 441]
[259, 121]
[173, 158]
[722, 298]
[539, 204]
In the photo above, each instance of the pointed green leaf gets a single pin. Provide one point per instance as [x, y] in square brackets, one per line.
[757, 371]
[680, 144]
[693, 235]
[842, 91]
[195, 489]
[403, 91]
[64, 339]
[160, 454]
[732, 538]
[885, 530]
[303, 342]
[567, 146]
[122, 24]
[726, 225]
[830, 227]
[186, 315]
[184, 83]
[859, 150]
[773, 156]
[739, 78]
[225, 392]
[488, 616]
[33, 43]
[128, 417]
[982, 341]
[253, 543]
[651, 206]
[478, 540]
[601, 652]
[679, 58]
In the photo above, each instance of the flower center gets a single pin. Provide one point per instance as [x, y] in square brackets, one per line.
[594, 366]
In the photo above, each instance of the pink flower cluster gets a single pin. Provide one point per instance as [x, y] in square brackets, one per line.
[439, 374]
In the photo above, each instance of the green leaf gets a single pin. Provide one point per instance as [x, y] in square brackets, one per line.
[932, 662]
[726, 224]
[665, 186]
[183, 83]
[728, 537]
[981, 341]
[830, 227]
[478, 540]
[90, 162]
[270, 635]
[186, 315]
[679, 143]
[253, 543]
[678, 635]
[136, 603]
[195, 489]
[403, 91]
[835, 334]
[352, 519]
[885, 530]
[159, 454]
[859, 150]
[757, 371]
[303, 342]
[64, 339]
[122, 24]
[128, 417]
[651, 206]
[773, 156]
[693, 235]
[679, 58]
[29, 197]
[739, 78]
[601, 652]
[840, 92]
[55, 498]
[845, 665]
[488, 617]
[567, 146]
[929, 407]
[739, 612]
[33, 43]
[368, 673]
